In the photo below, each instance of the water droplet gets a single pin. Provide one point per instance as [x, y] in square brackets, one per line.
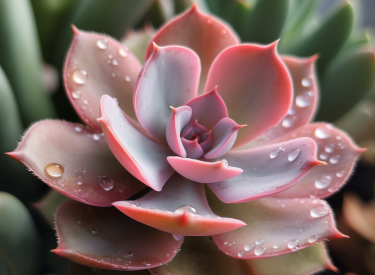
[122, 52]
[313, 239]
[274, 154]
[54, 170]
[303, 100]
[95, 136]
[339, 137]
[177, 237]
[322, 133]
[329, 148]
[258, 242]
[334, 159]
[287, 122]
[340, 174]
[134, 203]
[80, 76]
[260, 250]
[306, 82]
[79, 183]
[323, 181]
[293, 243]
[248, 247]
[78, 129]
[85, 102]
[323, 156]
[115, 62]
[102, 44]
[127, 78]
[331, 189]
[130, 255]
[93, 230]
[76, 94]
[115, 99]
[276, 246]
[105, 182]
[187, 208]
[291, 111]
[113, 75]
[110, 56]
[319, 211]
[240, 254]
[224, 162]
[294, 154]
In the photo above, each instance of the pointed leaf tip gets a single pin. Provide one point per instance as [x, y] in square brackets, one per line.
[75, 29]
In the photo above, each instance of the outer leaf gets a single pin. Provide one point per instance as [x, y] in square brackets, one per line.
[206, 35]
[77, 269]
[48, 205]
[15, 179]
[345, 83]
[328, 38]
[19, 239]
[170, 77]
[180, 208]
[97, 65]
[105, 238]
[267, 170]
[274, 227]
[305, 261]
[137, 41]
[89, 173]
[21, 60]
[239, 73]
[200, 256]
[142, 157]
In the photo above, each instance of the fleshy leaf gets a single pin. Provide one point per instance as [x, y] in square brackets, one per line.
[305, 261]
[75, 161]
[206, 35]
[192, 147]
[336, 149]
[170, 77]
[200, 256]
[239, 88]
[274, 226]
[105, 238]
[96, 65]
[77, 269]
[204, 172]
[143, 158]
[267, 170]
[305, 99]
[208, 109]
[19, 238]
[48, 205]
[180, 117]
[180, 208]
[223, 136]
[137, 41]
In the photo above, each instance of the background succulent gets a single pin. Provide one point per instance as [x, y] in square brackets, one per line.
[344, 49]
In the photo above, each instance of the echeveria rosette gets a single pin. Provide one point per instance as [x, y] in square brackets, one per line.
[207, 110]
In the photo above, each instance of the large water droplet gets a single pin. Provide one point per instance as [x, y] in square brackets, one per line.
[294, 154]
[260, 250]
[76, 94]
[54, 170]
[274, 153]
[105, 182]
[248, 247]
[313, 239]
[340, 174]
[303, 100]
[122, 52]
[293, 243]
[306, 82]
[102, 44]
[80, 76]
[322, 133]
[287, 122]
[187, 208]
[258, 242]
[323, 181]
[334, 159]
[319, 211]
[93, 230]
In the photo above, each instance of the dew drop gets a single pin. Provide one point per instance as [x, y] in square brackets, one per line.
[319, 211]
[322, 133]
[78, 129]
[93, 230]
[323, 181]
[105, 182]
[340, 174]
[224, 162]
[313, 239]
[274, 153]
[291, 111]
[306, 82]
[260, 250]
[122, 52]
[294, 154]
[240, 254]
[127, 78]
[248, 247]
[54, 170]
[115, 62]
[95, 136]
[80, 76]
[287, 122]
[331, 189]
[187, 208]
[79, 183]
[303, 100]
[102, 44]
[76, 94]
[334, 159]
[276, 246]
[258, 242]
[134, 203]
[293, 243]
[177, 237]
[323, 156]
[329, 148]
[85, 102]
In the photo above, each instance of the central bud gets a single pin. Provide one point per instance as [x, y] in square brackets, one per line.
[195, 139]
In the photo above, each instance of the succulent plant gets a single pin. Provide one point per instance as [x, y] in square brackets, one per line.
[203, 109]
